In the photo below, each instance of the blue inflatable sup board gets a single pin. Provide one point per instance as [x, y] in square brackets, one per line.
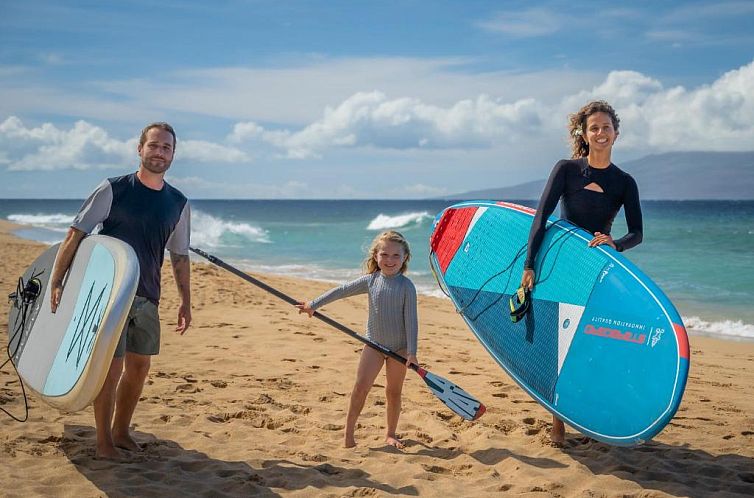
[601, 346]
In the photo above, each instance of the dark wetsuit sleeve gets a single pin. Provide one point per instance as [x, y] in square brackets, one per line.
[634, 223]
[547, 203]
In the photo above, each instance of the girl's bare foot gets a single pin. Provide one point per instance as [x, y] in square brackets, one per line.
[350, 442]
[394, 441]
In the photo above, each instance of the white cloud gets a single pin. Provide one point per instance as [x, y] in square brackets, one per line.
[719, 116]
[371, 119]
[203, 151]
[715, 117]
[85, 146]
[293, 95]
[47, 147]
[526, 23]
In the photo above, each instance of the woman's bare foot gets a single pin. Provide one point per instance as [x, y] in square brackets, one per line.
[394, 441]
[557, 434]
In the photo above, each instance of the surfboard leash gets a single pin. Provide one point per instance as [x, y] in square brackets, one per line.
[23, 299]
[515, 258]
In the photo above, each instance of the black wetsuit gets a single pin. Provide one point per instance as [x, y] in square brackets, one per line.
[593, 211]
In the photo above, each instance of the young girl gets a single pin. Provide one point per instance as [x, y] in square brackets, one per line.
[392, 323]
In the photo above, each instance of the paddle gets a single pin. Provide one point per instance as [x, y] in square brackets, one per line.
[453, 396]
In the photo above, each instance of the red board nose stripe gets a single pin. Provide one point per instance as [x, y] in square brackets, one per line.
[683, 340]
[449, 234]
[516, 207]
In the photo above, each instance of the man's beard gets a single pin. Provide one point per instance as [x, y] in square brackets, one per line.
[156, 167]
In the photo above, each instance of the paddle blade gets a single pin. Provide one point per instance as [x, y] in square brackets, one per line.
[453, 396]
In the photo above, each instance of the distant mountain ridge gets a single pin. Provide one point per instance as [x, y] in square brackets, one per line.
[668, 176]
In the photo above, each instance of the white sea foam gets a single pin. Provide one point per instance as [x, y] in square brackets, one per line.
[41, 220]
[431, 291]
[210, 231]
[315, 272]
[308, 272]
[384, 222]
[725, 329]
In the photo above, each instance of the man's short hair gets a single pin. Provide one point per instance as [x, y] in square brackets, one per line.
[162, 126]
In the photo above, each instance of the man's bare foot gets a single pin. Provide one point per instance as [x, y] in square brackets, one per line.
[126, 442]
[107, 453]
[394, 441]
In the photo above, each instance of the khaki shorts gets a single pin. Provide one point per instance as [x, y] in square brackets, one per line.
[141, 333]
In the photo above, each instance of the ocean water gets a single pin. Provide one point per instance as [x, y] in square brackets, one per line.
[701, 253]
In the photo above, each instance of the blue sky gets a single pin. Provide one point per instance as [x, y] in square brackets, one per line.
[357, 99]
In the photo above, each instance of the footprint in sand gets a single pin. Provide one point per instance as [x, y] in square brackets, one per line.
[363, 492]
[333, 427]
[424, 437]
[506, 427]
[436, 469]
[311, 458]
[443, 416]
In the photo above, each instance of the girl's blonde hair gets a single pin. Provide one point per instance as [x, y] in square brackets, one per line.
[577, 126]
[370, 263]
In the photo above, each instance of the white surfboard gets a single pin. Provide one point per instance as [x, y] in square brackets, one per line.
[64, 357]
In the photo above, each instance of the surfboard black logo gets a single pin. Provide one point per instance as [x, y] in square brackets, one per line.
[87, 324]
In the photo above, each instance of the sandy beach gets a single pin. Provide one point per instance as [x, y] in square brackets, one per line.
[252, 402]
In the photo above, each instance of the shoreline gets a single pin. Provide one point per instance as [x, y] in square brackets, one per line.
[696, 317]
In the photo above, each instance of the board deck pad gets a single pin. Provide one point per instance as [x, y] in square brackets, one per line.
[601, 347]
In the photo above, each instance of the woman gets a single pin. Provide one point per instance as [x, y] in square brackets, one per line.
[592, 190]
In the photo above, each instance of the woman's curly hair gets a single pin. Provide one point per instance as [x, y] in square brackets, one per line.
[577, 126]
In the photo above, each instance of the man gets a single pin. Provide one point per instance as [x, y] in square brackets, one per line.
[150, 215]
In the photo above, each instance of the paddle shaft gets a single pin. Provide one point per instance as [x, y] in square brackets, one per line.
[382, 349]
